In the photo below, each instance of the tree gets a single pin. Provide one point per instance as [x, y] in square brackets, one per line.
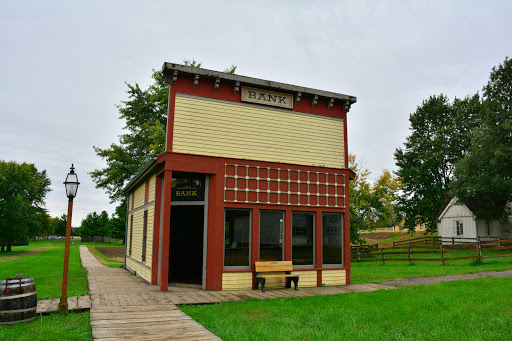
[59, 225]
[145, 114]
[95, 224]
[371, 205]
[439, 138]
[483, 178]
[22, 193]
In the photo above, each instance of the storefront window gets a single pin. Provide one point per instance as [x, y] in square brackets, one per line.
[302, 238]
[237, 238]
[332, 238]
[271, 235]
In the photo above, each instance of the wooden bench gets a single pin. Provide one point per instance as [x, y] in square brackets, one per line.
[266, 270]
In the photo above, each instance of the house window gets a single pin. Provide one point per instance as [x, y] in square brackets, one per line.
[237, 230]
[459, 228]
[332, 239]
[303, 238]
[144, 236]
[271, 235]
[131, 234]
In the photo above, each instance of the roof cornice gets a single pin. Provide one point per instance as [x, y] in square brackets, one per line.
[172, 71]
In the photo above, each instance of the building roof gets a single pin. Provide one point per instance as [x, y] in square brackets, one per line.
[172, 71]
[147, 169]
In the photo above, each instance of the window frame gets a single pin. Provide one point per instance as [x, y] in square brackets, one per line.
[131, 235]
[282, 234]
[312, 265]
[459, 228]
[237, 267]
[337, 265]
[144, 235]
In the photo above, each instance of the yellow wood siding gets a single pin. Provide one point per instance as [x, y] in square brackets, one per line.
[141, 270]
[152, 183]
[149, 240]
[334, 277]
[237, 281]
[139, 193]
[223, 129]
[306, 279]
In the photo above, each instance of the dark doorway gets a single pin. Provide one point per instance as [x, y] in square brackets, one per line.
[187, 225]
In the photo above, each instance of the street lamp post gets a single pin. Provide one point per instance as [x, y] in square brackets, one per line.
[71, 184]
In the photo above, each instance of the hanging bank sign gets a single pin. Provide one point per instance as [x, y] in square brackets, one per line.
[266, 97]
[187, 189]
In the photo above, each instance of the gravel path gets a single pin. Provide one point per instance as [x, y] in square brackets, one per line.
[432, 280]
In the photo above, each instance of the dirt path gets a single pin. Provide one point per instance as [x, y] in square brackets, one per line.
[24, 254]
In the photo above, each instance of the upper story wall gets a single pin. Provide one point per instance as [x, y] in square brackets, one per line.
[208, 116]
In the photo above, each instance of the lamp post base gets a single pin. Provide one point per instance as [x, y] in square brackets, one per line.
[63, 306]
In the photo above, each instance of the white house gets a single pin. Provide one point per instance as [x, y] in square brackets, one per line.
[457, 220]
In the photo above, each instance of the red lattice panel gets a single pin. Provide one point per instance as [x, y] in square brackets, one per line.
[266, 185]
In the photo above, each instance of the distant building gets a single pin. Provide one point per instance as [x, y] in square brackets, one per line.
[457, 220]
[253, 170]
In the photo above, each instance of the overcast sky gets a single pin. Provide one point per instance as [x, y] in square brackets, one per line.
[64, 64]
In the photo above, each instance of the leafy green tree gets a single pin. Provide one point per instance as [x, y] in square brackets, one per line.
[22, 193]
[116, 225]
[145, 114]
[95, 224]
[371, 205]
[483, 178]
[439, 138]
[59, 225]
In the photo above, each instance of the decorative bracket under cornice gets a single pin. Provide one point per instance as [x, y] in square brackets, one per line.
[331, 103]
[196, 81]
[315, 100]
[174, 77]
[237, 88]
[346, 106]
[217, 82]
[297, 97]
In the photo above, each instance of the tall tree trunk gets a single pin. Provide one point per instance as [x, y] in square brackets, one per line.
[9, 246]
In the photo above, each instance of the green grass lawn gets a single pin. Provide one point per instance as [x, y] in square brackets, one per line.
[376, 272]
[46, 268]
[479, 309]
[33, 244]
[74, 326]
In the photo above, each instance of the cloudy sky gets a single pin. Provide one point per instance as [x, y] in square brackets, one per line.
[64, 64]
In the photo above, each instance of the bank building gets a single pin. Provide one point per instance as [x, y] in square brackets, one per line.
[254, 170]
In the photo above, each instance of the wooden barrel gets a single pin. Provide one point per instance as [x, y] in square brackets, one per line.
[18, 300]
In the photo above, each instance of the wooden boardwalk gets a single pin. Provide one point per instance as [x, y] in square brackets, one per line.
[123, 307]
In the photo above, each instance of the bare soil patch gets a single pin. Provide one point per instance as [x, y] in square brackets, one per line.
[114, 252]
[376, 237]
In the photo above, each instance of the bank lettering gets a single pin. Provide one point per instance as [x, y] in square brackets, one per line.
[186, 193]
[267, 97]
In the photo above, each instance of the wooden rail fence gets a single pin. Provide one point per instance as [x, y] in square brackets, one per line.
[443, 249]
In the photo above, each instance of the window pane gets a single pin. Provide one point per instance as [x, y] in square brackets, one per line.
[332, 235]
[236, 238]
[271, 235]
[302, 238]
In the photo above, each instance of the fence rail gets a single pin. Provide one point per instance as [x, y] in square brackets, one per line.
[434, 240]
[442, 249]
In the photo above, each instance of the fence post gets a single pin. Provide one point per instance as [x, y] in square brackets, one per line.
[409, 250]
[383, 258]
[392, 244]
[478, 251]
[453, 240]
[499, 242]
[424, 240]
[442, 253]
[358, 257]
